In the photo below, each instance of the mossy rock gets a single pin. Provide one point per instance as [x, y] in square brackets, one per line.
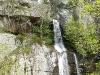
[3, 47]
[1, 30]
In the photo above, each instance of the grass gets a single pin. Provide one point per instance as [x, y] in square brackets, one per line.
[26, 49]
[5, 65]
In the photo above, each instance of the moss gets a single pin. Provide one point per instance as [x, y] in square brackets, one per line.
[26, 49]
[1, 29]
[20, 37]
[3, 47]
[5, 65]
[16, 51]
[36, 39]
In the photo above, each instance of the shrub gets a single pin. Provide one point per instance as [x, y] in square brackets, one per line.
[48, 40]
[43, 33]
[84, 40]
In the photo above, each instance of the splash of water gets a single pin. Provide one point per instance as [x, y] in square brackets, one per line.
[76, 62]
[59, 46]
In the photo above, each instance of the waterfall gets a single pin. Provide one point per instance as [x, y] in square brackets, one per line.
[40, 1]
[59, 46]
[76, 62]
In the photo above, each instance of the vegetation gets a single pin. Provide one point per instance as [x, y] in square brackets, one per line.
[43, 33]
[85, 38]
[3, 47]
[26, 49]
[21, 38]
[82, 39]
[1, 29]
[5, 65]
[8, 62]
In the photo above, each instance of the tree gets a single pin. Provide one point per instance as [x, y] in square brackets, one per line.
[83, 40]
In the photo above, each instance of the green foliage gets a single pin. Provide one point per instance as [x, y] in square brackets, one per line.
[48, 40]
[89, 7]
[26, 49]
[43, 33]
[71, 2]
[36, 30]
[5, 65]
[36, 39]
[84, 40]
[21, 37]
[92, 7]
[47, 34]
[21, 50]
[97, 68]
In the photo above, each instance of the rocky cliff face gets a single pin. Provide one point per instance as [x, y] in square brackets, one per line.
[40, 60]
[7, 44]
[18, 58]
[46, 9]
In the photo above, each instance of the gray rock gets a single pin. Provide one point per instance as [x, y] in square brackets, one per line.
[40, 61]
[7, 44]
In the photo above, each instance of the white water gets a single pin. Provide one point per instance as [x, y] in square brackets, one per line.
[59, 46]
[76, 62]
[40, 1]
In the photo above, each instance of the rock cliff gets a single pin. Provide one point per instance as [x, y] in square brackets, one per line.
[40, 60]
[19, 57]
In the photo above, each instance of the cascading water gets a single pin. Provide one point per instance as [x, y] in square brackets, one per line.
[59, 46]
[40, 1]
[76, 62]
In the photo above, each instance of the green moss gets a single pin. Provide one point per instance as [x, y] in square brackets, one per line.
[36, 39]
[26, 49]
[1, 29]
[16, 51]
[20, 37]
[21, 50]
[5, 65]
[3, 47]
